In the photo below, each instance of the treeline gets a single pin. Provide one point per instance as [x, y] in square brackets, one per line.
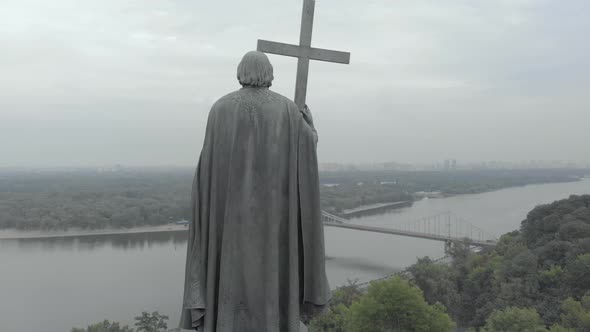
[539, 274]
[147, 322]
[356, 188]
[454, 182]
[335, 199]
[52, 201]
[136, 197]
[535, 279]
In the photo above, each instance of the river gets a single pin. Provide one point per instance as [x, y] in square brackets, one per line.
[55, 284]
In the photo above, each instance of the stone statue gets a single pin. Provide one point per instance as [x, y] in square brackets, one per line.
[255, 260]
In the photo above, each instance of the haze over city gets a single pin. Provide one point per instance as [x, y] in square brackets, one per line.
[449, 189]
[131, 82]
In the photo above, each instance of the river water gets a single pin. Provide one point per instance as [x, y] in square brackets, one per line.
[55, 284]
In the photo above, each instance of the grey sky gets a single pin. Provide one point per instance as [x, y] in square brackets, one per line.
[131, 82]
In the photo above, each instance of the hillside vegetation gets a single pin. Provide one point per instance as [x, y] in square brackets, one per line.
[542, 270]
[536, 279]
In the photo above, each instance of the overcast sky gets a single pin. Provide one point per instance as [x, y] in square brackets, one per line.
[131, 82]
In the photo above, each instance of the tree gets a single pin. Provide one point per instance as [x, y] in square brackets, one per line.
[554, 252]
[346, 294]
[559, 328]
[104, 326]
[334, 319]
[478, 296]
[395, 305]
[153, 322]
[543, 222]
[514, 320]
[437, 282]
[578, 274]
[574, 229]
[575, 314]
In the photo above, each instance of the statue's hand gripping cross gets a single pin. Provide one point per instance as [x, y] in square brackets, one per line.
[304, 52]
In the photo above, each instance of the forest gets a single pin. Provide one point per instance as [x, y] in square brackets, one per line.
[357, 188]
[87, 199]
[536, 279]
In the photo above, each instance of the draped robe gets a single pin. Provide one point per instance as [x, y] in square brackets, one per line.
[255, 258]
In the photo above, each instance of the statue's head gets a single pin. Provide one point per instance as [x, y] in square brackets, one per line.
[255, 70]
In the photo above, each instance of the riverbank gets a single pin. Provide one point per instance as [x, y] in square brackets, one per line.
[373, 208]
[12, 234]
[124, 275]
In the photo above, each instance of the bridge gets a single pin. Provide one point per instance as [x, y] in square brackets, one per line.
[444, 227]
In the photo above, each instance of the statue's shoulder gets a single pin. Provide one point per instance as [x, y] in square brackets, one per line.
[228, 98]
[282, 99]
[251, 97]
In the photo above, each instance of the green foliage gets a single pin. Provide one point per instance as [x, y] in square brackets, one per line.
[559, 328]
[346, 294]
[153, 322]
[576, 314]
[550, 277]
[514, 319]
[147, 322]
[538, 267]
[578, 274]
[136, 197]
[437, 282]
[334, 319]
[90, 200]
[390, 305]
[350, 195]
[104, 326]
[400, 184]
[564, 220]
[394, 305]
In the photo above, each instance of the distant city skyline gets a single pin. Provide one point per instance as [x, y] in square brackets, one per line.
[335, 166]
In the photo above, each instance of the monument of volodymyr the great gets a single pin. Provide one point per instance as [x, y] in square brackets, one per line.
[255, 256]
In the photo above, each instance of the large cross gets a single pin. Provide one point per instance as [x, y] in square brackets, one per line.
[304, 52]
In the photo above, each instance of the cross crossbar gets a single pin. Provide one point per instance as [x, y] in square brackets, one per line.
[297, 51]
[303, 52]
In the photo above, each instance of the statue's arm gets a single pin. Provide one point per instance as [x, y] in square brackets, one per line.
[307, 116]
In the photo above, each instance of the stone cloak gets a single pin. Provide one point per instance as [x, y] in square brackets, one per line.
[255, 256]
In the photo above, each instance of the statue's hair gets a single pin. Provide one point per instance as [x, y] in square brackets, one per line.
[255, 70]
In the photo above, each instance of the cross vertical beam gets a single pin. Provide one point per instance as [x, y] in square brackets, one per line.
[303, 62]
[304, 52]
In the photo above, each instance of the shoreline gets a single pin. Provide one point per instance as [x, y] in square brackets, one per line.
[12, 234]
[374, 208]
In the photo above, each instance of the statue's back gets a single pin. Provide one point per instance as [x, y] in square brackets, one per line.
[245, 265]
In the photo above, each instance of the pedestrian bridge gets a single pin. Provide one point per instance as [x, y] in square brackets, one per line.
[444, 227]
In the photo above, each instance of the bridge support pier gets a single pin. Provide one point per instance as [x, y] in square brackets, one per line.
[448, 247]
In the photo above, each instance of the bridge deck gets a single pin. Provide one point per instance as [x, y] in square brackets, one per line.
[408, 233]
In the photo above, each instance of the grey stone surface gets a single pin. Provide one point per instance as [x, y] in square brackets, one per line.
[255, 257]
